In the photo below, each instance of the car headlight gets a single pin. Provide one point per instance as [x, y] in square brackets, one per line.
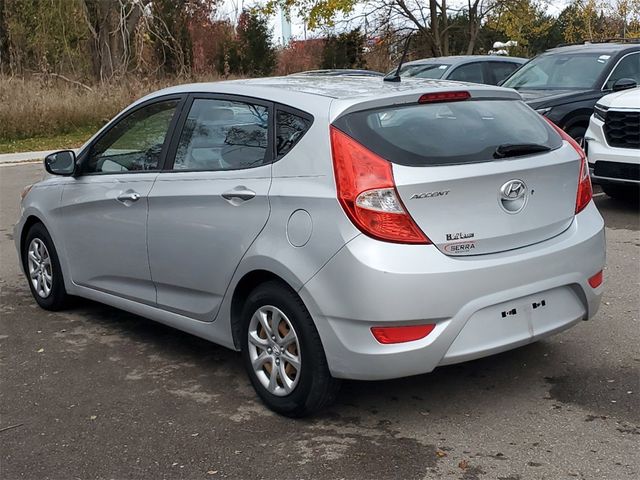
[600, 112]
[543, 111]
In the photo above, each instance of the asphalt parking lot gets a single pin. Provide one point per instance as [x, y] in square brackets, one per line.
[95, 392]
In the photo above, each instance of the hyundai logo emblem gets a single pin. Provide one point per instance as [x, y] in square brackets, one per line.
[513, 196]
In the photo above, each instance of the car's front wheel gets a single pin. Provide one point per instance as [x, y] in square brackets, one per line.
[283, 353]
[42, 268]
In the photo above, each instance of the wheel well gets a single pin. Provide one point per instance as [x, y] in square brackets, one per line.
[244, 287]
[30, 222]
[580, 120]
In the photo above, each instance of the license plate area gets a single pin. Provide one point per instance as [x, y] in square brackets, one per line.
[516, 322]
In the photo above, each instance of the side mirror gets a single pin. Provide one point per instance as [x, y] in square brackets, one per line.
[61, 163]
[624, 83]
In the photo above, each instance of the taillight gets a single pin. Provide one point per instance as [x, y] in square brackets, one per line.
[585, 191]
[596, 280]
[367, 192]
[405, 333]
[436, 97]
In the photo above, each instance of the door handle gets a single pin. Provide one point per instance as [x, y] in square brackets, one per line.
[128, 197]
[241, 193]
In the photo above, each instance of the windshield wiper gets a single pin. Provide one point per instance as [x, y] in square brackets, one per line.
[517, 149]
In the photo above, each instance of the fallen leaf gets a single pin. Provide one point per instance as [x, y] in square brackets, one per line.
[463, 464]
[212, 472]
[440, 453]
[41, 350]
[93, 417]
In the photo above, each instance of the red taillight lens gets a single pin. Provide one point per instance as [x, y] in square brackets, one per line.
[436, 97]
[596, 280]
[407, 333]
[367, 192]
[585, 191]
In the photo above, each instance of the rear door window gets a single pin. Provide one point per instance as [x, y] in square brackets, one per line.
[500, 70]
[223, 135]
[290, 128]
[448, 133]
[470, 72]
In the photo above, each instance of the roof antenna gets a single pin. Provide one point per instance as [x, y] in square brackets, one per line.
[395, 77]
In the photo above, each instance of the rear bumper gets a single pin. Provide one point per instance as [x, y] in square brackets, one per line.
[371, 283]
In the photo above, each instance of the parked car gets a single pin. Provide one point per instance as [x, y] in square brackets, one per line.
[488, 69]
[340, 72]
[613, 144]
[565, 83]
[328, 228]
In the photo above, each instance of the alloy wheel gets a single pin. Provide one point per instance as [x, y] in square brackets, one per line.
[274, 350]
[40, 272]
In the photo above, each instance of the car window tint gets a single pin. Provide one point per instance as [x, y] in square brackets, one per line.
[628, 67]
[134, 143]
[471, 72]
[428, 70]
[290, 129]
[560, 70]
[447, 133]
[501, 70]
[223, 135]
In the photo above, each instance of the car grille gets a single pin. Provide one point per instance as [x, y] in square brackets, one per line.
[622, 129]
[623, 171]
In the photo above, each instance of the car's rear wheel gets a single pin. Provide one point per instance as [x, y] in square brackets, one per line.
[42, 268]
[622, 192]
[283, 353]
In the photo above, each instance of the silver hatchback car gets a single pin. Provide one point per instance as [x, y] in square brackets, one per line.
[327, 228]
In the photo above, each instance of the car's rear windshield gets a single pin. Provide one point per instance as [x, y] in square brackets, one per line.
[469, 131]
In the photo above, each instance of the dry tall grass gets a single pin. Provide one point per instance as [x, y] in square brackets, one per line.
[39, 107]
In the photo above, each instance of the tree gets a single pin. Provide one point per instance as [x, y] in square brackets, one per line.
[4, 40]
[430, 19]
[250, 51]
[344, 51]
[112, 26]
[168, 26]
[526, 22]
[254, 38]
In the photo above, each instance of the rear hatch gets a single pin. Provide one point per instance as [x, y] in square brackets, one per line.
[477, 176]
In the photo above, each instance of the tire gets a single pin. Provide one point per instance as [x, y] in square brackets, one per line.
[577, 133]
[307, 388]
[626, 193]
[54, 297]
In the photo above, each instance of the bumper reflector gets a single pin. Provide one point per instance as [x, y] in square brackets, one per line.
[406, 333]
[596, 280]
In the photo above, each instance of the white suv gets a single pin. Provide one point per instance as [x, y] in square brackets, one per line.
[612, 143]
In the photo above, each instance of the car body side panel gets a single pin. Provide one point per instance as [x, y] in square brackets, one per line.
[197, 237]
[303, 198]
[43, 203]
[105, 239]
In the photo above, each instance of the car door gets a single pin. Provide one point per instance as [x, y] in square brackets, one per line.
[468, 72]
[495, 72]
[211, 202]
[104, 209]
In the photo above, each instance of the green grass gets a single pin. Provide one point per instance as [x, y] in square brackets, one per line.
[59, 141]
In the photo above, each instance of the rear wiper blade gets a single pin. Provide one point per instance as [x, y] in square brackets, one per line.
[517, 149]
